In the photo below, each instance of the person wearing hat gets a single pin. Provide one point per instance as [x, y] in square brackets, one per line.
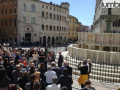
[88, 86]
[84, 73]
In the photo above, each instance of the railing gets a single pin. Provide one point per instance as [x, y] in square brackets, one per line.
[105, 74]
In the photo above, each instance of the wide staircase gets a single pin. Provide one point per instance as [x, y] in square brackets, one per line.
[101, 72]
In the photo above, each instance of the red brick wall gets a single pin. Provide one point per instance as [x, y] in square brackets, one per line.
[5, 4]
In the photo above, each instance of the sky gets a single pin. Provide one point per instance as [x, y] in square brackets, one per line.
[83, 10]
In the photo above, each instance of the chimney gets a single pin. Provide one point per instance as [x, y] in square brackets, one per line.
[50, 2]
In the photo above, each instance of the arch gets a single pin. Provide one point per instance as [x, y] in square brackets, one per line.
[46, 14]
[53, 40]
[54, 28]
[33, 8]
[50, 15]
[42, 13]
[44, 39]
[50, 28]
[46, 27]
[48, 39]
[57, 40]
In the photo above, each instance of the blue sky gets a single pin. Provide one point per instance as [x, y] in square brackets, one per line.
[84, 10]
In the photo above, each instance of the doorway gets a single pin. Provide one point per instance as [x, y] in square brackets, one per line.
[28, 37]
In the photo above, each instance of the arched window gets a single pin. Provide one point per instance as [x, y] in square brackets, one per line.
[46, 14]
[57, 17]
[42, 27]
[33, 8]
[54, 16]
[54, 28]
[57, 28]
[50, 28]
[50, 15]
[24, 7]
[46, 27]
[5, 11]
[10, 11]
[14, 10]
[42, 13]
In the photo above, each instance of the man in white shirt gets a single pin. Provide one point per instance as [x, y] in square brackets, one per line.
[54, 86]
[49, 74]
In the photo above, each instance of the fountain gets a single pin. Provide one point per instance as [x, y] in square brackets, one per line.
[109, 19]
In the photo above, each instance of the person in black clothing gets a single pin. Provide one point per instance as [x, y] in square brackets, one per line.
[10, 69]
[69, 68]
[23, 80]
[41, 57]
[30, 54]
[45, 65]
[60, 60]
[65, 80]
[84, 73]
[17, 58]
[56, 69]
[42, 71]
[5, 63]
[4, 80]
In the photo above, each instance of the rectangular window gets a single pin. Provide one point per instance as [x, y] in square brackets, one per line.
[10, 11]
[2, 11]
[15, 22]
[2, 31]
[54, 9]
[15, 31]
[42, 6]
[24, 19]
[10, 22]
[33, 20]
[2, 22]
[50, 8]
[69, 27]
[46, 7]
[5, 22]
[5, 31]
[10, 30]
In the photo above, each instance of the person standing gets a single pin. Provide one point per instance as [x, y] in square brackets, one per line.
[65, 80]
[49, 74]
[35, 58]
[84, 73]
[16, 74]
[60, 60]
[54, 86]
[69, 69]
[9, 70]
[56, 69]
[41, 57]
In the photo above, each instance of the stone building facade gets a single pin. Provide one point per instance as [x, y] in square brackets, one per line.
[8, 21]
[99, 26]
[42, 22]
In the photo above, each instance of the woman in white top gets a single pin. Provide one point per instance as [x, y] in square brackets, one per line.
[35, 57]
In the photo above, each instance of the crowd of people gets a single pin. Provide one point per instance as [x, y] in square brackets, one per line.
[35, 69]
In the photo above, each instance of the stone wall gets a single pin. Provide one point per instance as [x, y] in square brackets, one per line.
[94, 55]
[99, 39]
